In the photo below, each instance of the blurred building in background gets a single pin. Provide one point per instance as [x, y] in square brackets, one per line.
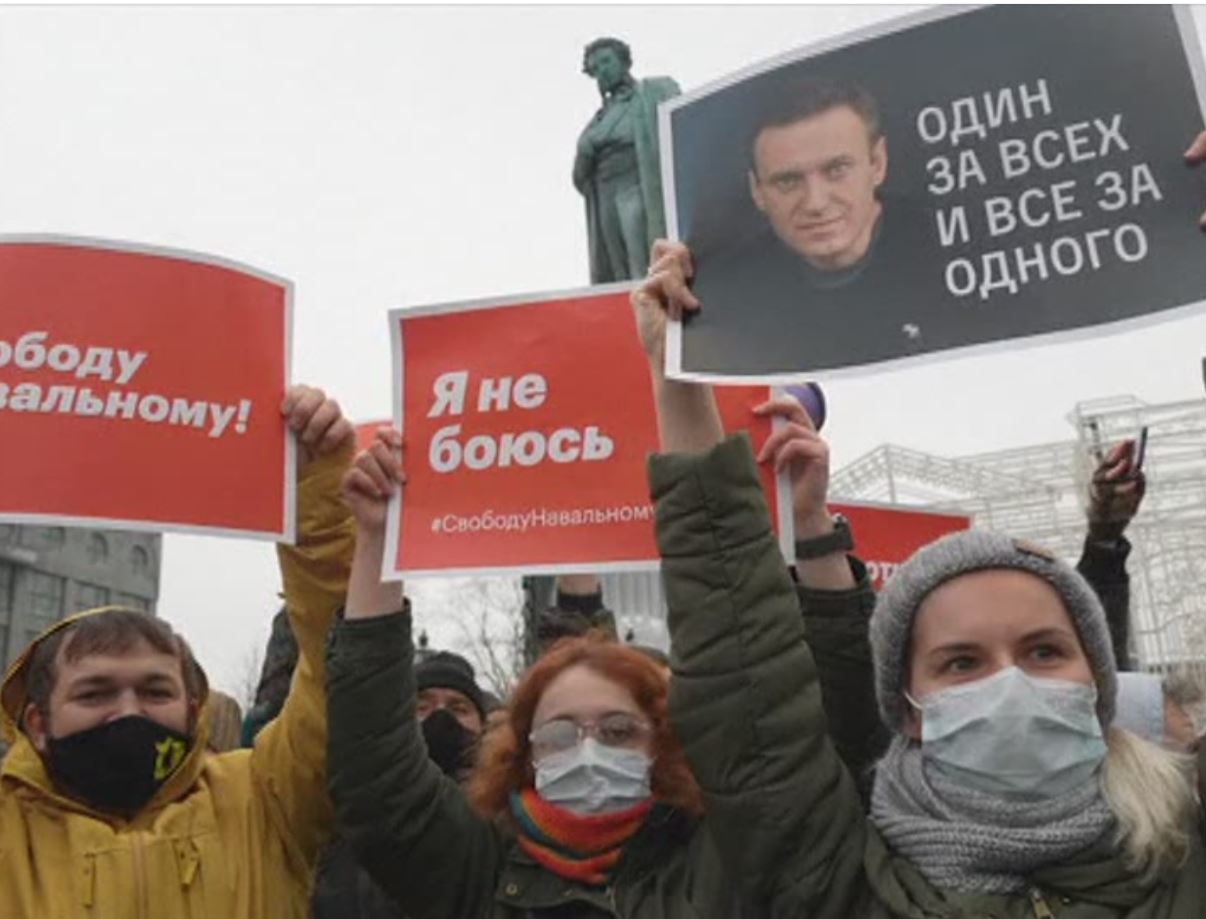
[48, 572]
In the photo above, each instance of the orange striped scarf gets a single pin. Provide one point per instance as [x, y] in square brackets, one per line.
[582, 847]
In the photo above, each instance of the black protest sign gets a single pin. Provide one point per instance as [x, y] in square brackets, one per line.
[941, 183]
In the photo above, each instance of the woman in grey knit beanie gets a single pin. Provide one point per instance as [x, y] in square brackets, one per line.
[993, 666]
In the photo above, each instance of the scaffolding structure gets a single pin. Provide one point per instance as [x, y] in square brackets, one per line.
[1040, 493]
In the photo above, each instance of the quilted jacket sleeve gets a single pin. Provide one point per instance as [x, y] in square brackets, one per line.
[410, 825]
[289, 756]
[745, 698]
[836, 624]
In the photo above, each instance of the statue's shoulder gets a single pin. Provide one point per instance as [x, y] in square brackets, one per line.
[660, 87]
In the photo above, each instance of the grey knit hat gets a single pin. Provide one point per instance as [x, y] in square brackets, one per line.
[979, 550]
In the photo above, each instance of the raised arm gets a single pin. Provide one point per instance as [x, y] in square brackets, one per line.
[834, 593]
[687, 418]
[289, 756]
[744, 696]
[836, 623]
[1115, 493]
[409, 824]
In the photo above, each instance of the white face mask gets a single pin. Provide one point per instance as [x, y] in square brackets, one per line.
[592, 778]
[1012, 733]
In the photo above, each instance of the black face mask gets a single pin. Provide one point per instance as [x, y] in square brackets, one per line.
[449, 744]
[117, 766]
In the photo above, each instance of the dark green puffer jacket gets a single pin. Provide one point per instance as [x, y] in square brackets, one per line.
[745, 699]
[746, 705]
[836, 626]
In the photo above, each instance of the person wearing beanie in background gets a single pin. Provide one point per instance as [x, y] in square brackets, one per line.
[452, 710]
[1005, 791]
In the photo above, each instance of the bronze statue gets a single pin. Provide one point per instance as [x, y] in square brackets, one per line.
[616, 168]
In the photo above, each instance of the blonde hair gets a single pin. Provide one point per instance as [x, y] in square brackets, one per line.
[1151, 792]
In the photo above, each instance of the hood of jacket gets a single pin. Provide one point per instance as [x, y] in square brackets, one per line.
[25, 765]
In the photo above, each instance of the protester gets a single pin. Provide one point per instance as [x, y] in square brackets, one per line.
[111, 803]
[452, 711]
[1004, 792]
[583, 771]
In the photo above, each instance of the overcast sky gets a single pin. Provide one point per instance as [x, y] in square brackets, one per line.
[381, 157]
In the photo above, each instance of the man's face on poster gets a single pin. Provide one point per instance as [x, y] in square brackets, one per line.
[816, 181]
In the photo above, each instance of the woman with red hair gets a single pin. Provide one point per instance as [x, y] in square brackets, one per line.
[581, 804]
[623, 695]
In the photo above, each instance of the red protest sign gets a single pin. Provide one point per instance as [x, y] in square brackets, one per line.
[140, 388]
[528, 423]
[886, 535]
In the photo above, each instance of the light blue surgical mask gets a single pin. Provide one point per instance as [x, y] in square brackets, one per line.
[592, 778]
[1013, 734]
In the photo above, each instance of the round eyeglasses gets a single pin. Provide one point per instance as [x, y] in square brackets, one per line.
[618, 729]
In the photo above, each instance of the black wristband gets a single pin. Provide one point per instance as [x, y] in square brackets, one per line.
[840, 540]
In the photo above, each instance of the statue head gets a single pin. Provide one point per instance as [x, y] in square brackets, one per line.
[609, 61]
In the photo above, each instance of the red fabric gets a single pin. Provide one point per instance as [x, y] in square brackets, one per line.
[582, 847]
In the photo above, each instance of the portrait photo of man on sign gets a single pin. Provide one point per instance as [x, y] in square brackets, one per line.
[829, 233]
[817, 163]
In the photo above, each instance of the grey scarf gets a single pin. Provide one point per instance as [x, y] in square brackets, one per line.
[968, 841]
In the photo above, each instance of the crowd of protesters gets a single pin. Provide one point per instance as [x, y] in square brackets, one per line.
[972, 741]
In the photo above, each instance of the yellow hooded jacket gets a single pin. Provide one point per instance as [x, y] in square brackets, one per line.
[229, 835]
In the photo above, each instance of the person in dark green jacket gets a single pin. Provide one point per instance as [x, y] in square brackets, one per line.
[1004, 793]
[581, 805]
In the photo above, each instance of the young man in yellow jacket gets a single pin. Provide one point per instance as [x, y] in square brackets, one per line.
[110, 803]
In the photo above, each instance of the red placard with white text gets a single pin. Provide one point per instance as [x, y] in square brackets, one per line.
[528, 423]
[886, 535]
[140, 388]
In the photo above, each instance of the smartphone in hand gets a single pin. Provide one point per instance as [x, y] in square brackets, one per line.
[1140, 451]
